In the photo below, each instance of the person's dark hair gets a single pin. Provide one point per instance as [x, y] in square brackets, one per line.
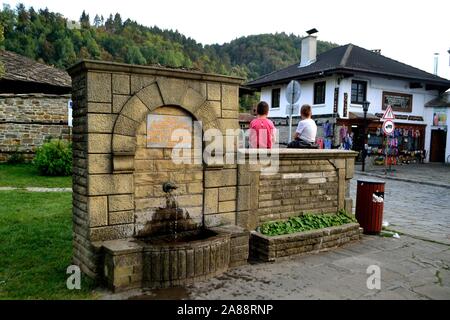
[306, 110]
[262, 108]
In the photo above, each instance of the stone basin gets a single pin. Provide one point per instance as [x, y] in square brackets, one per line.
[192, 256]
[161, 262]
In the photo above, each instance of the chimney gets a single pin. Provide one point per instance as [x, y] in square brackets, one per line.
[309, 48]
[436, 60]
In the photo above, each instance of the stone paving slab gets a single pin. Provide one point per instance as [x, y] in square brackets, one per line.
[415, 209]
[434, 174]
[411, 267]
[408, 271]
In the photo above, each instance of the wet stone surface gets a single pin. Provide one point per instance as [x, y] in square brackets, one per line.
[410, 269]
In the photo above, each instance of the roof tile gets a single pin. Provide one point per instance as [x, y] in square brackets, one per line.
[349, 58]
[20, 68]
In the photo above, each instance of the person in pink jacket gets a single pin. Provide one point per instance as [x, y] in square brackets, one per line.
[262, 130]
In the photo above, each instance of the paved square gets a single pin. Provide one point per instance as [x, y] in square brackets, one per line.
[412, 267]
[415, 208]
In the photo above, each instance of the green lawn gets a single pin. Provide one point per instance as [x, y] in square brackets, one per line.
[36, 244]
[26, 175]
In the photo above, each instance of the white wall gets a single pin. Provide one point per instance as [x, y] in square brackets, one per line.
[429, 119]
[375, 88]
[306, 97]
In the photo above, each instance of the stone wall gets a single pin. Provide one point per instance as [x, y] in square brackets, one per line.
[153, 167]
[117, 180]
[300, 186]
[27, 120]
[307, 181]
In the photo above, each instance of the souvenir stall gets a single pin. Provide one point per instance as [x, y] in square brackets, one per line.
[325, 135]
[345, 138]
[404, 146]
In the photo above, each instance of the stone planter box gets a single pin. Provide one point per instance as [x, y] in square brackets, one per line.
[272, 248]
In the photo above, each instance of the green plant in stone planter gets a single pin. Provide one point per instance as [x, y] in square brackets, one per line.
[54, 158]
[306, 222]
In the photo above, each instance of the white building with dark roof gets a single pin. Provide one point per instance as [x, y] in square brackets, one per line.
[336, 82]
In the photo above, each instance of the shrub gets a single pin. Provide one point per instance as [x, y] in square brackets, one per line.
[54, 158]
[306, 222]
[16, 158]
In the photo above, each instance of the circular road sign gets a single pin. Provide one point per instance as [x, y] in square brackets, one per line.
[388, 127]
[293, 92]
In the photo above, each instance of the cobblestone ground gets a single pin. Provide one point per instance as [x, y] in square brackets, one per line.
[428, 173]
[410, 269]
[415, 209]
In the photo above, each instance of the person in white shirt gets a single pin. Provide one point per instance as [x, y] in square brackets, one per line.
[307, 128]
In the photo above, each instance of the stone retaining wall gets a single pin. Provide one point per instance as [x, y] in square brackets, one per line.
[27, 120]
[272, 248]
[307, 181]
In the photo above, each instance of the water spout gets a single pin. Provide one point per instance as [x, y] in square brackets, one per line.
[168, 187]
[171, 202]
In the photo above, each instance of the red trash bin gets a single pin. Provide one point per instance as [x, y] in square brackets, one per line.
[369, 205]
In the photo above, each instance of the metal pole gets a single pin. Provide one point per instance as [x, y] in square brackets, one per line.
[290, 127]
[386, 150]
[291, 110]
[364, 143]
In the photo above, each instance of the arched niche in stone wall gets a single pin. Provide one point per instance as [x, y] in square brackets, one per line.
[162, 92]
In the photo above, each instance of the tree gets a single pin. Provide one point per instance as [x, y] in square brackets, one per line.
[117, 23]
[44, 36]
[2, 37]
[134, 56]
[84, 20]
[97, 21]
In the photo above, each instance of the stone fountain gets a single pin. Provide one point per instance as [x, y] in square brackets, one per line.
[185, 251]
[132, 228]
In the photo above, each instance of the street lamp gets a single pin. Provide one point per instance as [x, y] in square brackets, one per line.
[365, 106]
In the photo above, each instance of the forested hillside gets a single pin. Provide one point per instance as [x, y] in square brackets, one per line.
[48, 37]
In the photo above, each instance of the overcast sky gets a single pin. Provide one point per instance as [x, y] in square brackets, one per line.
[410, 31]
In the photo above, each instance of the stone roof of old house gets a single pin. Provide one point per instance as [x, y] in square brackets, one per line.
[25, 70]
[347, 60]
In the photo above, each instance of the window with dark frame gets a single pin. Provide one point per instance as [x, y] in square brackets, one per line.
[275, 98]
[359, 91]
[319, 92]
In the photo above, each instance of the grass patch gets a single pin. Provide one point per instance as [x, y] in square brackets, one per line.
[305, 222]
[26, 175]
[36, 246]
